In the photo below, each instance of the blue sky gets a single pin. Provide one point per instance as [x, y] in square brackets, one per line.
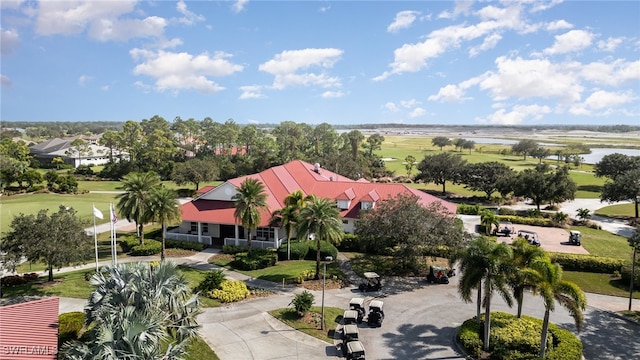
[340, 62]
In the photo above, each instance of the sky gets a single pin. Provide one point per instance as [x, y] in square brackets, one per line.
[340, 62]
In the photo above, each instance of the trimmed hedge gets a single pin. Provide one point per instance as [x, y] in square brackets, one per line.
[14, 280]
[465, 209]
[150, 247]
[259, 259]
[307, 250]
[533, 221]
[519, 339]
[587, 263]
[186, 245]
[70, 327]
[129, 242]
[233, 249]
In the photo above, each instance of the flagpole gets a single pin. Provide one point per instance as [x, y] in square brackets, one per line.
[95, 238]
[113, 253]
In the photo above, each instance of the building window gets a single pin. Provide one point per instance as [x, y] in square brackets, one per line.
[205, 228]
[194, 227]
[366, 205]
[345, 221]
[343, 204]
[265, 233]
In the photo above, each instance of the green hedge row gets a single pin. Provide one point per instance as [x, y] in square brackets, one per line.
[307, 250]
[511, 338]
[186, 245]
[259, 259]
[587, 263]
[533, 221]
[150, 247]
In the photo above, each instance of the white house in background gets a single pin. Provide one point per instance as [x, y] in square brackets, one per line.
[46, 151]
[209, 218]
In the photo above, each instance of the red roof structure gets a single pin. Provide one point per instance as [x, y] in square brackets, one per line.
[29, 330]
[215, 205]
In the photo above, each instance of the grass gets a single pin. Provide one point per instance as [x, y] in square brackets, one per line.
[361, 263]
[71, 284]
[289, 270]
[198, 349]
[604, 243]
[332, 317]
[194, 277]
[595, 283]
[634, 315]
[621, 211]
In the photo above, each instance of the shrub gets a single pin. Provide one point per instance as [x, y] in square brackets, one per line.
[230, 291]
[129, 242]
[150, 247]
[14, 280]
[506, 211]
[233, 249]
[587, 263]
[186, 245]
[186, 192]
[302, 302]
[519, 339]
[351, 242]
[533, 221]
[70, 327]
[299, 250]
[326, 249]
[212, 280]
[257, 260]
[465, 209]
[625, 275]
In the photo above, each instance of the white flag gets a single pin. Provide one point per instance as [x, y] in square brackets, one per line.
[97, 213]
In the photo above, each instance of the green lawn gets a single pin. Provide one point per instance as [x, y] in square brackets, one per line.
[71, 284]
[604, 243]
[599, 284]
[198, 349]
[332, 317]
[194, 277]
[621, 211]
[287, 270]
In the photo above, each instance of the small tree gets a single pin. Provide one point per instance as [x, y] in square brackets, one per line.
[409, 164]
[302, 302]
[441, 141]
[584, 215]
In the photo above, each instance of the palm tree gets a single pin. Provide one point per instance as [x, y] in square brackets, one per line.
[549, 284]
[164, 208]
[249, 201]
[134, 202]
[135, 311]
[487, 219]
[485, 261]
[523, 255]
[321, 218]
[287, 217]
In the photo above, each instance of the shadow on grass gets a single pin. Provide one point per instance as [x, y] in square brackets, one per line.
[591, 188]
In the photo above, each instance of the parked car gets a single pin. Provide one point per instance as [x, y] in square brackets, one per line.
[574, 237]
[372, 282]
[357, 304]
[438, 275]
[350, 317]
[354, 350]
[349, 333]
[530, 236]
[376, 313]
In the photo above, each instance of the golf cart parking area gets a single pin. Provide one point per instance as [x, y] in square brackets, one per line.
[551, 239]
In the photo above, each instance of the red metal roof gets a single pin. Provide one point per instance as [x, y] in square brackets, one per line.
[29, 330]
[282, 180]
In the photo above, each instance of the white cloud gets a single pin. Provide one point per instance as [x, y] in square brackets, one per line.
[104, 88]
[558, 25]
[103, 19]
[251, 92]
[4, 80]
[461, 7]
[449, 93]
[183, 71]
[332, 94]
[519, 114]
[417, 112]
[286, 65]
[188, 17]
[239, 5]
[9, 40]
[391, 106]
[603, 103]
[403, 20]
[611, 44]
[544, 5]
[613, 74]
[532, 78]
[572, 41]
[409, 103]
[489, 43]
[324, 9]
[83, 79]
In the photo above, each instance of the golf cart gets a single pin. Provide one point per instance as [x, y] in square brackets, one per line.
[354, 350]
[438, 275]
[530, 236]
[357, 304]
[372, 282]
[574, 237]
[376, 314]
[505, 228]
[349, 333]
[350, 317]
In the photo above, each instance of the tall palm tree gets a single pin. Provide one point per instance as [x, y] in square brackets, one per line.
[249, 201]
[487, 219]
[134, 311]
[134, 202]
[552, 288]
[523, 255]
[164, 208]
[485, 262]
[287, 217]
[321, 218]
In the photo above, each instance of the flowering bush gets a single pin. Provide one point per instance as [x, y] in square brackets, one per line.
[230, 291]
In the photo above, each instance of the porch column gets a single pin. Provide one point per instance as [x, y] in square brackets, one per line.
[275, 234]
[199, 232]
[237, 233]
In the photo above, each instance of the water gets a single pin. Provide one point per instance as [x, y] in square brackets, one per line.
[598, 153]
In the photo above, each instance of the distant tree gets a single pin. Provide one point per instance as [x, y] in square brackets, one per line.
[373, 143]
[249, 201]
[468, 145]
[541, 185]
[409, 164]
[57, 161]
[17, 150]
[164, 208]
[488, 219]
[485, 176]
[134, 202]
[441, 141]
[353, 140]
[194, 171]
[404, 227]
[541, 153]
[584, 214]
[525, 147]
[458, 142]
[440, 168]
[57, 240]
[320, 218]
[616, 164]
[623, 187]
[51, 177]
[110, 140]
[31, 177]
[288, 217]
